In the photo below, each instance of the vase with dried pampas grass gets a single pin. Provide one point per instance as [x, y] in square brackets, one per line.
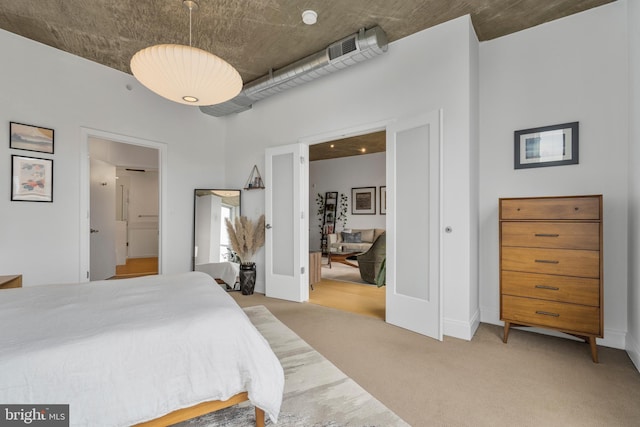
[246, 238]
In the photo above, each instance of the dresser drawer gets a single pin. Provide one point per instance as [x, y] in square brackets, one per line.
[566, 262]
[577, 290]
[581, 235]
[576, 208]
[568, 317]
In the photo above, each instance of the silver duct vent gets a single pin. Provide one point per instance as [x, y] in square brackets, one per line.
[358, 47]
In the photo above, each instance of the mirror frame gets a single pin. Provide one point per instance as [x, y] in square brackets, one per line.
[198, 193]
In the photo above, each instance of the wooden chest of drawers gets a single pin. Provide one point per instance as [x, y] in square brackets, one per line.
[551, 265]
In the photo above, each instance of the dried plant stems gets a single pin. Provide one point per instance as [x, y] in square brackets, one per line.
[246, 237]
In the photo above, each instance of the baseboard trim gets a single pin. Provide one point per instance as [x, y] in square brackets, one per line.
[461, 329]
[613, 338]
[633, 350]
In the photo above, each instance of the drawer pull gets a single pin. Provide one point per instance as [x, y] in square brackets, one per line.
[546, 313]
[546, 235]
[547, 261]
[551, 288]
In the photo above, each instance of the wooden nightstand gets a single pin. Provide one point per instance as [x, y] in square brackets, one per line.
[12, 281]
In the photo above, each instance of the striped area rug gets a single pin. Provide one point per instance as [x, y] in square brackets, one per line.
[316, 392]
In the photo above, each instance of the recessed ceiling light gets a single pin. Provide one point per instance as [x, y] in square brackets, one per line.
[332, 145]
[364, 150]
[309, 17]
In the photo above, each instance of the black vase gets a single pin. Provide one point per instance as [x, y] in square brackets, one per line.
[247, 278]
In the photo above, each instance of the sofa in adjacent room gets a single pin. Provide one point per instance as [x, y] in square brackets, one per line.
[354, 240]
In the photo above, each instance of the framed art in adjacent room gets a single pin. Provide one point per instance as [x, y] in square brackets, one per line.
[31, 179]
[30, 138]
[363, 201]
[383, 200]
[546, 146]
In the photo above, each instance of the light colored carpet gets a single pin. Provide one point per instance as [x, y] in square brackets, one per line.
[316, 392]
[341, 272]
[534, 380]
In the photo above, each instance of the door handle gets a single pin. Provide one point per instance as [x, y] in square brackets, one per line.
[93, 230]
[268, 226]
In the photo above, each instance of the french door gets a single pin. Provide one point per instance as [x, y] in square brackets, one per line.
[414, 182]
[286, 236]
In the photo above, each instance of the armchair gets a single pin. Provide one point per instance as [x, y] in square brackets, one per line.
[370, 261]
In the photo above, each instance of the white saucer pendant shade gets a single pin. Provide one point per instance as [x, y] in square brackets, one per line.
[187, 75]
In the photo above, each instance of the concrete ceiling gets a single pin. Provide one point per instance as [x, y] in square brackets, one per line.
[255, 35]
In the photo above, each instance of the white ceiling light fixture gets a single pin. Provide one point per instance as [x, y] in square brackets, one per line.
[186, 74]
[309, 17]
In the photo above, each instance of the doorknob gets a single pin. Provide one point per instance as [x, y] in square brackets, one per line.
[93, 230]
[268, 226]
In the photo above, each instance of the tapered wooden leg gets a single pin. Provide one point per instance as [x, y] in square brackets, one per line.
[259, 417]
[594, 349]
[505, 337]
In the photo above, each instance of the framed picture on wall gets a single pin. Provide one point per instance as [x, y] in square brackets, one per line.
[31, 179]
[363, 201]
[546, 146]
[383, 200]
[30, 138]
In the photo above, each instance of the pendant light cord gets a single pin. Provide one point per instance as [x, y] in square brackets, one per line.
[190, 11]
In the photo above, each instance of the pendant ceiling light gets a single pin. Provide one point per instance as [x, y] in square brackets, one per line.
[186, 74]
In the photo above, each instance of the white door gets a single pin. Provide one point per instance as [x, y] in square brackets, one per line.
[102, 255]
[413, 224]
[286, 219]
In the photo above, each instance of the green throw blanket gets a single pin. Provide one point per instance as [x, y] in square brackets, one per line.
[381, 277]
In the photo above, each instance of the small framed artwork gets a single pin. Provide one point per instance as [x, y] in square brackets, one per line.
[31, 179]
[363, 201]
[30, 138]
[383, 200]
[546, 146]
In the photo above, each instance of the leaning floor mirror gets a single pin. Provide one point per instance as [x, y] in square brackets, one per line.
[212, 252]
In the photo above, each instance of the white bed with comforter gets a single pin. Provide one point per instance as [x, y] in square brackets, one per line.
[122, 352]
[225, 271]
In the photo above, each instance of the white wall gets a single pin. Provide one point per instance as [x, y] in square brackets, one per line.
[342, 175]
[633, 337]
[474, 175]
[50, 88]
[559, 72]
[420, 73]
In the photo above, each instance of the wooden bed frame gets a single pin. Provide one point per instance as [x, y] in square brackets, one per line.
[201, 409]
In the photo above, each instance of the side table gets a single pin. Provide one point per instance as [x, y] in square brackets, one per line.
[315, 261]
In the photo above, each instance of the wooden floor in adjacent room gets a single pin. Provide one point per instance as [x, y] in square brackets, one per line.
[353, 297]
[136, 267]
